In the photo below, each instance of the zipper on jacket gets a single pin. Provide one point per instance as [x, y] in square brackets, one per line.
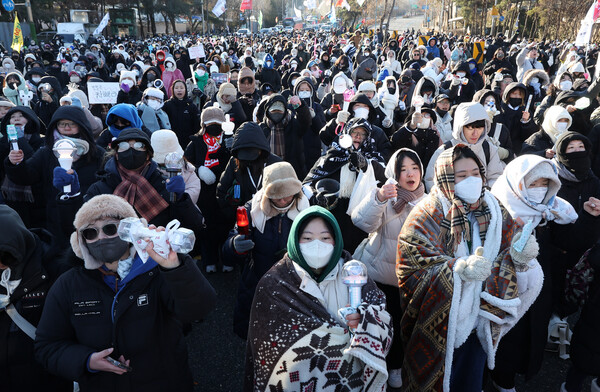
[280, 219]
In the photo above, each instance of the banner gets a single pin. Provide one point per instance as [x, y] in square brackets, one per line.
[311, 4]
[219, 8]
[360, 2]
[343, 3]
[260, 20]
[297, 12]
[585, 31]
[246, 5]
[102, 25]
[332, 17]
[103, 92]
[17, 42]
[196, 52]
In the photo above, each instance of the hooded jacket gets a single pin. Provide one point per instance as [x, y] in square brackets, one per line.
[519, 131]
[45, 110]
[545, 138]
[312, 142]
[37, 268]
[427, 139]
[249, 135]
[461, 93]
[269, 75]
[418, 90]
[125, 111]
[367, 70]
[13, 95]
[499, 133]
[524, 64]
[332, 98]
[468, 113]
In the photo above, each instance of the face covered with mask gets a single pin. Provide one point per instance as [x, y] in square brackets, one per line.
[277, 112]
[132, 154]
[102, 241]
[317, 244]
[154, 103]
[213, 129]
[468, 183]
[573, 154]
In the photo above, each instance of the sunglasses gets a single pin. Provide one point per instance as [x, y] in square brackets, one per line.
[91, 233]
[124, 146]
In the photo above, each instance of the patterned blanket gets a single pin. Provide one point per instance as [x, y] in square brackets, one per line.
[294, 344]
[441, 311]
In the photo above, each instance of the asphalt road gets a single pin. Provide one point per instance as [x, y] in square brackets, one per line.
[217, 354]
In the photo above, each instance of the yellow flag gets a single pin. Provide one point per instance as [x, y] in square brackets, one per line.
[17, 42]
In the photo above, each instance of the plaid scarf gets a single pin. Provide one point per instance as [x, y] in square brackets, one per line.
[136, 189]
[455, 224]
[406, 196]
[213, 144]
[277, 139]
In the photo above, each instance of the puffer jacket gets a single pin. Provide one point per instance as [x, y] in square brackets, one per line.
[379, 250]
[467, 113]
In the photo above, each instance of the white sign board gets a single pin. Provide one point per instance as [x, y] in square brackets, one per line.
[99, 92]
[196, 52]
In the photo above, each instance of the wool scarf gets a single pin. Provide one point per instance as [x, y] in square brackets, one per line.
[213, 145]
[136, 189]
[405, 196]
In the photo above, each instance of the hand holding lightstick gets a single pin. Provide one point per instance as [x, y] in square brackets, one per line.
[11, 132]
[65, 149]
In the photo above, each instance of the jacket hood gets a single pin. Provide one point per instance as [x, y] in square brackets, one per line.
[466, 113]
[125, 111]
[342, 75]
[482, 94]
[54, 83]
[34, 124]
[565, 96]
[35, 71]
[275, 98]
[536, 73]
[419, 86]
[559, 76]
[565, 138]
[304, 79]
[268, 57]
[360, 98]
[511, 87]
[75, 114]
[293, 244]
[390, 168]
[462, 66]
[249, 135]
[551, 117]
[17, 240]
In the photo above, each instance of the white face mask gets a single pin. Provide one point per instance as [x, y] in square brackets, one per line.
[566, 85]
[469, 189]
[316, 253]
[561, 127]
[339, 87]
[461, 74]
[268, 63]
[128, 82]
[294, 82]
[425, 123]
[471, 66]
[170, 66]
[154, 104]
[537, 195]
[74, 79]
[35, 79]
[200, 73]
[361, 113]
[304, 94]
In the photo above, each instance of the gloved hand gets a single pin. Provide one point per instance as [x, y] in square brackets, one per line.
[474, 268]
[503, 153]
[241, 244]
[402, 105]
[206, 175]
[455, 81]
[62, 178]
[358, 160]
[342, 117]
[229, 143]
[530, 250]
[387, 122]
[176, 185]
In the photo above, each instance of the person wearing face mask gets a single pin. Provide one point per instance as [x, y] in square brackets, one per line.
[451, 249]
[498, 62]
[112, 275]
[170, 75]
[208, 151]
[248, 94]
[471, 127]
[514, 116]
[342, 65]
[391, 64]
[309, 280]
[444, 118]
[528, 189]
[284, 129]
[131, 173]
[34, 76]
[120, 117]
[27, 200]
[458, 55]
[427, 88]
[349, 155]
[557, 121]
[271, 213]
[498, 133]
[382, 214]
[432, 70]
[49, 93]
[536, 82]
[14, 85]
[226, 98]
[360, 107]
[43, 172]
[459, 85]
[129, 91]
[333, 101]
[304, 89]
[150, 110]
[268, 73]
[527, 59]
[150, 79]
[325, 61]
[418, 134]
[183, 114]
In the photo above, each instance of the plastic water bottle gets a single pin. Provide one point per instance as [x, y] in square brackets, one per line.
[179, 239]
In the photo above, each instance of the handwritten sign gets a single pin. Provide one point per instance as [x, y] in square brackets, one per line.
[99, 92]
[196, 52]
[219, 78]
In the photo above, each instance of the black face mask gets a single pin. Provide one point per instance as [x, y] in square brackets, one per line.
[515, 102]
[151, 77]
[441, 112]
[276, 117]
[214, 129]
[120, 127]
[578, 163]
[132, 159]
[108, 250]
[392, 90]
[405, 80]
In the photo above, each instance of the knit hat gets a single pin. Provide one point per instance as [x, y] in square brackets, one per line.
[164, 141]
[212, 115]
[280, 180]
[30, 56]
[154, 92]
[98, 207]
[277, 106]
[132, 134]
[246, 72]
[367, 85]
[437, 62]
[577, 67]
[128, 75]
[6, 103]
[227, 89]
[543, 170]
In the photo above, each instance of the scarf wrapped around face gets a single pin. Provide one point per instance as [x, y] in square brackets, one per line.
[455, 224]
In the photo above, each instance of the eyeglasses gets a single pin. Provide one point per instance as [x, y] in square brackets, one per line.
[361, 135]
[124, 146]
[66, 124]
[91, 233]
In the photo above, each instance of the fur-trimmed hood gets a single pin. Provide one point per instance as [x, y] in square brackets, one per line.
[536, 73]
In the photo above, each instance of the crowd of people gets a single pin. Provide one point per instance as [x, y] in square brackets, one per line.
[465, 189]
